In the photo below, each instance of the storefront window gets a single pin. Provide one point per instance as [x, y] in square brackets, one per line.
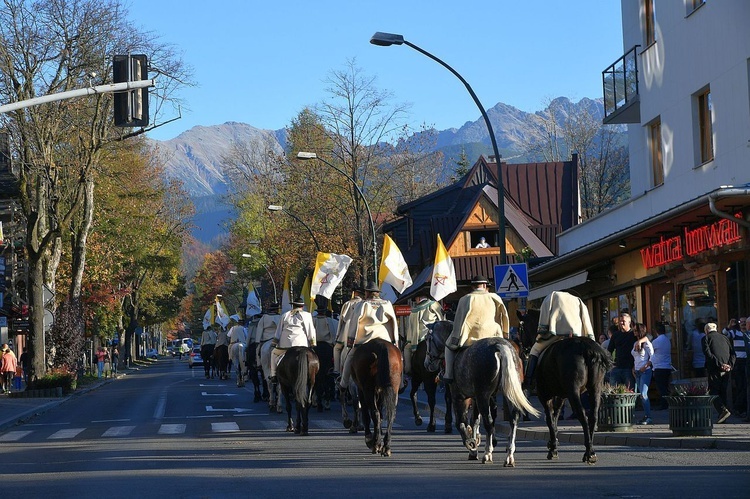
[698, 306]
[611, 306]
[665, 312]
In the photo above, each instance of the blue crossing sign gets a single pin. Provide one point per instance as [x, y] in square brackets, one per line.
[512, 280]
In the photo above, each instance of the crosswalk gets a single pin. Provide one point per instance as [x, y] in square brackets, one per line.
[162, 430]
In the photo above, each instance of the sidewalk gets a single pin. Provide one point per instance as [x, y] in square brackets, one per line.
[734, 434]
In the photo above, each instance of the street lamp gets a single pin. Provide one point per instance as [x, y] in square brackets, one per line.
[276, 207]
[311, 155]
[388, 39]
[270, 276]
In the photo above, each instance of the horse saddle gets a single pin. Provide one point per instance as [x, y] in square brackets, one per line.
[435, 352]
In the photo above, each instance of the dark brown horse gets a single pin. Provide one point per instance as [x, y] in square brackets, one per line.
[376, 370]
[296, 375]
[221, 361]
[427, 373]
[566, 369]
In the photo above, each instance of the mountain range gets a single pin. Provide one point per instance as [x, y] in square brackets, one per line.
[195, 156]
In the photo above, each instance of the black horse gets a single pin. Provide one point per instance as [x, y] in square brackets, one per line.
[207, 354]
[324, 384]
[255, 373]
[487, 367]
[376, 369]
[426, 373]
[221, 361]
[567, 368]
[296, 375]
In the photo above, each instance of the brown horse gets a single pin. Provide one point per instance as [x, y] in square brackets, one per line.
[296, 375]
[376, 370]
[566, 369]
[427, 373]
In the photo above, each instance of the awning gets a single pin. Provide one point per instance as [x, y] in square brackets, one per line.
[561, 284]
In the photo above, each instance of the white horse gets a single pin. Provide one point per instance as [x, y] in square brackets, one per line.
[274, 400]
[237, 357]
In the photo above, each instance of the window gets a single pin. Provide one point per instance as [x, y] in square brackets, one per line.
[489, 236]
[692, 5]
[649, 21]
[705, 127]
[609, 307]
[655, 145]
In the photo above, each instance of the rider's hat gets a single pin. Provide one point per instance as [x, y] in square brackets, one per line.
[372, 286]
[299, 301]
[479, 279]
[274, 306]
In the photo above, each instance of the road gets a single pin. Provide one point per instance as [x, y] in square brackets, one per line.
[165, 431]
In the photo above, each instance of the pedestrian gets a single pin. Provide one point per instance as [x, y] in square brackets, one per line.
[661, 361]
[696, 344]
[25, 360]
[739, 388]
[7, 368]
[642, 353]
[100, 356]
[107, 371]
[621, 344]
[115, 360]
[720, 358]
[295, 329]
[479, 314]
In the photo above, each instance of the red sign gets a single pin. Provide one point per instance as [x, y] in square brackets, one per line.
[402, 310]
[691, 242]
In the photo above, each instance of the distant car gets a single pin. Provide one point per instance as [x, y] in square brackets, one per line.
[171, 351]
[195, 358]
[152, 354]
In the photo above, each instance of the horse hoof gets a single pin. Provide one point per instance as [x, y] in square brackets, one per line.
[297, 431]
[418, 421]
[385, 453]
[256, 399]
[448, 429]
[487, 459]
[347, 423]
[509, 463]
[430, 428]
[590, 458]
[304, 433]
[473, 456]
[551, 455]
[290, 429]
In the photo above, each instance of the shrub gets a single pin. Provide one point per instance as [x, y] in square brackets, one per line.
[58, 377]
[608, 389]
[690, 389]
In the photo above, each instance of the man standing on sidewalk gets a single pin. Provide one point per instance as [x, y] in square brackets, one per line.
[621, 343]
[720, 358]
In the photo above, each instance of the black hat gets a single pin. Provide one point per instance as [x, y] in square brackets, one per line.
[479, 279]
[299, 301]
[372, 286]
[274, 306]
[359, 285]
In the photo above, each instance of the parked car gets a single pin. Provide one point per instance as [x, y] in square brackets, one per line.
[151, 353]
[171, 351]
[195, 358]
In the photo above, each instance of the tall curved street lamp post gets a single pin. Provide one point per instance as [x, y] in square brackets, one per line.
[273, 283]
[276, 207]
[388, 39]
[311, 155]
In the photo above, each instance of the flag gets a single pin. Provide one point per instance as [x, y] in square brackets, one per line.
[253, 302]
[329, 272]
[388, 293]
[393, 268]
[208, 318]
[306, 293]
[443, 274]
[286, 298]
[222, 317]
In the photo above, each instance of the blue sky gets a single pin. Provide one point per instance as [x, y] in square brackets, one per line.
[262, 62]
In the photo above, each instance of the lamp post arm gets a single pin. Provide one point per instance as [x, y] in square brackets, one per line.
[317, 246]
[369, 213]
[500, 186]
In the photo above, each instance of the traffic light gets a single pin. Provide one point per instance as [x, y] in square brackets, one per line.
[131, 107]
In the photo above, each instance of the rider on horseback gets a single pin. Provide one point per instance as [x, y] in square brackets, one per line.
[372, 318]
[425, 311]
[266, 328]
[208, 343]
[358, 294]
[295, 329]
[562, 315]
[325, 327]
[480, 314]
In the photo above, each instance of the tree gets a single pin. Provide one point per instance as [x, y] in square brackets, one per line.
[602, 160]
[52, 46]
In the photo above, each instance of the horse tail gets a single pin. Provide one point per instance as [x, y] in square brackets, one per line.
[597, 356]
[511, 381]
[390, 392]
[300, 386]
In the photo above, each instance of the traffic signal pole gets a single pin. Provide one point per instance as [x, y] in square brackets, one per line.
[71, 94]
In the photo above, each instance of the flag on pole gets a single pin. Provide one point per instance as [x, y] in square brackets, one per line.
[306, 293]
[329, 272]
[443, 274]
[286, 297]
[208, 318]
[253, 306]
[393, 267]
[222, 317]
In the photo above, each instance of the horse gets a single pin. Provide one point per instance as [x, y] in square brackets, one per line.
[274, 398]
[221, 360]
[567, 368]
[207, 354]
[426, 362]
[237, 357]
[253, 371]
[296, 374]
[481, 370]
[376, 369]
[324, 384]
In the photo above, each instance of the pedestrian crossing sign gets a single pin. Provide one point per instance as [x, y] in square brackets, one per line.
[512, 280]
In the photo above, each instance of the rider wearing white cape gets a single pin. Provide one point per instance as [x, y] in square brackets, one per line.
[340, 349]
[295, 329]
[425, 311]
[480, 314]
[562, 315]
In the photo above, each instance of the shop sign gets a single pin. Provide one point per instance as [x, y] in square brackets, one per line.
[402, 310]
[690, 243]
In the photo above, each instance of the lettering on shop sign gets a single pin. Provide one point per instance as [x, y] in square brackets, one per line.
[691, 242]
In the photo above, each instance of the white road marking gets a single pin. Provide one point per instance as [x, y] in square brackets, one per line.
[206, 394]
[13, 436]
[224, 427]
[172, 429]
[118, 431]
[66, 433]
